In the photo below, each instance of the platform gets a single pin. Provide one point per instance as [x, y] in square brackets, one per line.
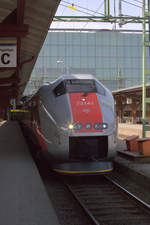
[133, 156]
[126, 129]
[140, 166]
[23, 198]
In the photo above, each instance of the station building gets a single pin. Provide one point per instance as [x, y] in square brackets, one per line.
[114, 57]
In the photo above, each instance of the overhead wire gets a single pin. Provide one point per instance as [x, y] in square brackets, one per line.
[100, 6]
[92, 11]
[77, 10]
[96, 12]
[137, 1]
[61, 15]
[133, 4]
[146, 3]
[129, 3]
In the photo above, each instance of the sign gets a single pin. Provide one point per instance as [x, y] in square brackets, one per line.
[18, 110]
[8, 53]
[72, 7]
[129, 101]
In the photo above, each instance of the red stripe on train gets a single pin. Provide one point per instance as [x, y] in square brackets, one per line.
[38, 132]
[85, 110]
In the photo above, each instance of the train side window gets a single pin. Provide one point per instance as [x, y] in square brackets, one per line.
[30, 104]
[34, 103]
[60, 89]
[100, 89]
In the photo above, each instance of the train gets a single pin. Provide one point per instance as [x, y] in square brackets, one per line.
[74, 121]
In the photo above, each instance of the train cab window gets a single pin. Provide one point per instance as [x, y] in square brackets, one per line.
[77, 86]
[100, 89]
[60, 89]
[80, 86]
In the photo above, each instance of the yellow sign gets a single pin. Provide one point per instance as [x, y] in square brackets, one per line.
[72, 7]
[18, 110]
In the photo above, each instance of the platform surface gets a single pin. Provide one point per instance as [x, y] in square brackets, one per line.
[126, 129]
[23, 198]
[140, 165]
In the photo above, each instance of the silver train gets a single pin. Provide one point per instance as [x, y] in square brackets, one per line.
[74, 121]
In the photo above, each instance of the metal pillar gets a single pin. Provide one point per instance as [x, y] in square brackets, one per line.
[106, 8]
[120, 7]
[143, 64]
[120, 79]
[145, 71]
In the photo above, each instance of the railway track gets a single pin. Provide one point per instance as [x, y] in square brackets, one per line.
[107, 203]
[94, 200]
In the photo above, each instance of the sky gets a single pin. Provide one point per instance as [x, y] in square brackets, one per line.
[129, 7]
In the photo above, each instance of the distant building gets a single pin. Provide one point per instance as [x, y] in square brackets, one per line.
[113, 57]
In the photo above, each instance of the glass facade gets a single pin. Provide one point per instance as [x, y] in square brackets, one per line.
[115, 58]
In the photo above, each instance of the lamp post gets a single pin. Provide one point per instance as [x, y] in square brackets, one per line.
[59, 61]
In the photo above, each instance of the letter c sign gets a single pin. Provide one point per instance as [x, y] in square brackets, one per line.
[5, 58]
[8, 55]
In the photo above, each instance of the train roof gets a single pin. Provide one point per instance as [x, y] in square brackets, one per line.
[78, 76]
[75, 76]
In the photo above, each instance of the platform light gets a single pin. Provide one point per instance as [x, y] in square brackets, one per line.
[19, 110]
[70, 126]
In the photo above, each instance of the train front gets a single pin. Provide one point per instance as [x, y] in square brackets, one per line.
[87, 126]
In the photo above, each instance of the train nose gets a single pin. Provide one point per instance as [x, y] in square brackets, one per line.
[86, 112]
[88, 147]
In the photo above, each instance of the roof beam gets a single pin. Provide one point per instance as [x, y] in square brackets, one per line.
[20, 12]
[11, 18]
[12, 79]
[108, 19]
[12, 30]
[13, 26]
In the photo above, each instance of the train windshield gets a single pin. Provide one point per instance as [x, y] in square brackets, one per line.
[80, 86]
[76, 86]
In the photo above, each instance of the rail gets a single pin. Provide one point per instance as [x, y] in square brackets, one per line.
[106, 202]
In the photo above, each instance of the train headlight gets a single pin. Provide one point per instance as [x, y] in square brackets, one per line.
[70, 126]
[78, 126]
[105, 125]
[100, 126]
[83, 99]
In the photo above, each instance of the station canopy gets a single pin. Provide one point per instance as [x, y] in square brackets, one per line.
[130, 91]
[23, 28]
[134, 93]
